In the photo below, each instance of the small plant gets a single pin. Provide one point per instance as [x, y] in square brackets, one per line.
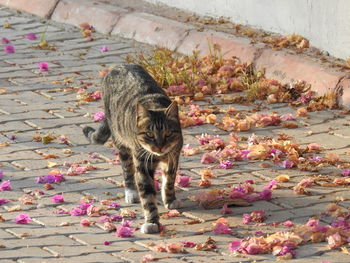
[43, 44]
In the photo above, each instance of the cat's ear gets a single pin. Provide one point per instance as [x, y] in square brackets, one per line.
[141, 112]
[173, 110]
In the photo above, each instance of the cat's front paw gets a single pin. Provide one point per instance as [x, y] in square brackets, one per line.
[131, 196]
[149, 228]
[174, 204]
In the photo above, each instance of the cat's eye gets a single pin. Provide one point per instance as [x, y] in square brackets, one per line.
[150, 134]
[167, 133]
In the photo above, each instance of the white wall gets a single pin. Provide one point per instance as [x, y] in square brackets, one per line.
[325, 23]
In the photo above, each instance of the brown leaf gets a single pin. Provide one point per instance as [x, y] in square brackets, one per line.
[218, 203]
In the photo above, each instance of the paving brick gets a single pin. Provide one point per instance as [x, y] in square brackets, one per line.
[32, 252]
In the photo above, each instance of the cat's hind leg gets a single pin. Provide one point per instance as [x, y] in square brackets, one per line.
[99, 136]
[131, 194]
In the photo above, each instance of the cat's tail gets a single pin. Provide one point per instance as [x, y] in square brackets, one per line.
[99, 136]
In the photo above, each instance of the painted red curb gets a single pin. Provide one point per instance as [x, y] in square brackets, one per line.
[343, 88]
[151, 29]
[230, 45]
[42, 8]
[286, 68]
[102, 17]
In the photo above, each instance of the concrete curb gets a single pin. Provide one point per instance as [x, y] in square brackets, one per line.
[177, 36]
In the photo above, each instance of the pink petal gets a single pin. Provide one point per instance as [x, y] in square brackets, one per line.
[9, 49]
[57, 199]
[43, 66]
[22, 219]
[31, 36]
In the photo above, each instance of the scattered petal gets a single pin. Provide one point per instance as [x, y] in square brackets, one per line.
[22, 219]
[9, 49]
[43, 66]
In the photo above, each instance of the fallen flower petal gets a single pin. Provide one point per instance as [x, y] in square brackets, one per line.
[43, 66]
[5, 40]
[31, 36]
[104, 49]
[3, 201]
[225, 210]
[288, 223]
[148, 258]
[235, 245]
[221, 228]
[99, 116]
[188, 243]
[183, 180]
[22, 219]
[346, 172]
[85, 222]
[335, 240]
[124, 231]
[5, 186]
[57, 199]
[9, 49]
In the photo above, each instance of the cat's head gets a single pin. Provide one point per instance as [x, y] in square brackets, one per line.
[158, 130]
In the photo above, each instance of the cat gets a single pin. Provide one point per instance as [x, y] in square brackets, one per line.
[144, 125]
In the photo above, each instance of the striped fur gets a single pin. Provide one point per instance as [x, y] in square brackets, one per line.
[145, 128]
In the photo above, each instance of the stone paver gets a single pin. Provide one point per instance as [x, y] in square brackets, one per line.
[41, 103]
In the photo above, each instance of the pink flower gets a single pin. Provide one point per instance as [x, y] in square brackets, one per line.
[271, 185]
[346, 172]
[188, 243]
[43, 66]
[99, 116]
[335, 240]
[96, 95]
[287, 164]
[31, 36]
[5, 186]
[124, 230]
[22, 219]
[288, 223]
[57, 199]
[313, 222]
[208, 158]
[183, 180]
[253, 249]
[3, 201]
[104, 49]
[235, 245]
[9, 49]
[246, 219]
[85, 222]
[287, 117]
[77, 212]
[265, 194]
[148, 258]
[5, 40]
[221, 228]
[106, 243]
[225, 210]
[226, 164]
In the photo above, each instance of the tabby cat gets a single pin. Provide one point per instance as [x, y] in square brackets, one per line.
[145, 127]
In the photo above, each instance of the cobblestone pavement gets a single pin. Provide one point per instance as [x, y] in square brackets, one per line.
[35, 103]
